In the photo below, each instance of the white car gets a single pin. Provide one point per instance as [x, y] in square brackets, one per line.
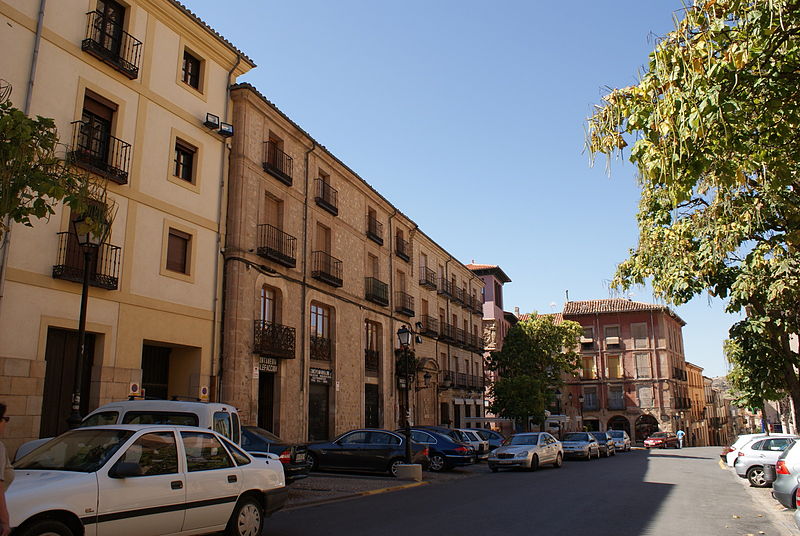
[622, 441]
[143, 480]
[731, 453]
[478, 444]
[528, 451]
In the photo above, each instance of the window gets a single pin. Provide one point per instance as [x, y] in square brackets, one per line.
[191, 70]
[588, 371]
[590, 398]
[323, 238]
[616, 398]
[267, 304]
[240, 457]
[587, 338]
[320, 321]
[642, 365]
[184, 161]
[612, 335]
[645, 394]
[154, 454]
[178, 250]
[614, 371]
[159, 417]
[498, 295]
[356, 438]
[204, 452]
[639, 334]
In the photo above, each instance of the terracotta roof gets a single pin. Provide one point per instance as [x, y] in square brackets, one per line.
[615, 305]
[212, 31]
[558, 318]
[489, 269]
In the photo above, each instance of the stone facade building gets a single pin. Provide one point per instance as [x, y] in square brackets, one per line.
[129, 86]
[320, 272]
[633, 371]
[697, 433]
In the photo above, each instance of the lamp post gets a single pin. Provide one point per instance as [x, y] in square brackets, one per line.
[404, 338]
[580, 404]
[89, 240]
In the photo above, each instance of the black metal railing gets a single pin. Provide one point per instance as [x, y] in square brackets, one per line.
[321, 348]
[372, 359]
[108, 42]
[446, 332]
[104, 263]
[326, 268]
[460, 336]
[277, 163]
[404, 303]
[271, 339]
[376, 291]
[475, 305]
[445, 287]
[460, 380]
[427, 277]
[95, 150]
[275, 245]
[475, 342]
[430, 325]
[327, 197]
[374, 230]
[457, 294]
[402, 248]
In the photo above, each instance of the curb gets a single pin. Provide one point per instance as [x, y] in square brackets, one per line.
[356, 495]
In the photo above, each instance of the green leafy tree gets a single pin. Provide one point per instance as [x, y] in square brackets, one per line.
[536, 354]
[712, 128]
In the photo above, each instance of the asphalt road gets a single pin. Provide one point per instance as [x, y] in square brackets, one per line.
[661, 492]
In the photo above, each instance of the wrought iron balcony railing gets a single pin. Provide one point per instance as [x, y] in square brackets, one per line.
[275, 245]
[376, 291]
[404, 303]
[458, 294]
[402, 248]
[95, 150]
[430, 325]
[475, 305]
[427, 277]
[445, 287]
[321, 348]
[277, 163]
[460, 336]
[327, 197]
[374, 230]
[460, 380]
[271, 339]
[104, 263]
[326, 268]
[108, 42]
[372, 359]
[446, 332]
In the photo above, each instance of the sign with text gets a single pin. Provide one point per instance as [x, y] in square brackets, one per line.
[267, 364]
[318, 375]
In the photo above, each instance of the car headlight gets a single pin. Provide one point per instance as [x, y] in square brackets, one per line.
[522, 455]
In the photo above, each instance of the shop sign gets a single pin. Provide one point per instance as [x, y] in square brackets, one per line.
[319, 375]
[267, 364]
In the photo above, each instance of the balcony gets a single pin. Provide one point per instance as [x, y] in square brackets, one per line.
[108, 42]
[460, 380]
[475, 305]
[95, 150]
[616, 404]
[457, 294]
[446, 332]
[427, 278]
[476, 343]
[430, 326]
[404, 303]
[375, 230]
[277, 163]
[376, 291]
[459, 336]
[271, 339]
[327, 197]
[445, 287]
[277, 246]
[402, 248]
[372, 359]
[103, 264]
[321, 348]
[326, 268]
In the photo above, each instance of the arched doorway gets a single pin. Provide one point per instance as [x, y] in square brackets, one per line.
[645, 426]
[618, 422]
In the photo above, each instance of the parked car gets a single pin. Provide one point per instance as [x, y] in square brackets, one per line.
[797, 515]
[751, 458]
[662, 440]
[444, 453]
[729, 454]
[368, 449]
[581, 445]
[478, 444]
[529, 451]
[622, 441]
[221, 418]
[606, 443]
[787, 469]
[495, 439]
[258, 441]
[144, 480]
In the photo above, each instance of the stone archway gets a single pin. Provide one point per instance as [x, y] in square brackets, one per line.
[645, 426]
[618, 422]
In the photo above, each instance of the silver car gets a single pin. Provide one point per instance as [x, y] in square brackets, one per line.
[478, 444]
[622, 441]
[751, 458]
[581, 445]
[528, 451]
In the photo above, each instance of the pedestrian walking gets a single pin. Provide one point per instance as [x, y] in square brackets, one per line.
[694, 440]
[680, 434]
[6, 475]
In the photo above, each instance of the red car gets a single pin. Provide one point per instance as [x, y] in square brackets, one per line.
[662, 440]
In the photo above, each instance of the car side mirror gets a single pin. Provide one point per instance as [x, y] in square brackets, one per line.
[124, 470]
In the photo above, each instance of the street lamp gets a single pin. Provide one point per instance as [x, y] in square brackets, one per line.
[580, 403]
[404, 338]
[89, 239]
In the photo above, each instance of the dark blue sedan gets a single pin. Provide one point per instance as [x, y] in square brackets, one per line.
[444, 452]
[364, 450]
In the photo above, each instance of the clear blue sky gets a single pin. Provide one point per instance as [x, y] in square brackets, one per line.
[469, 116]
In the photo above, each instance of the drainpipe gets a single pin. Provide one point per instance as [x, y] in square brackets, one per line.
[218, 245]
[6, 242]
[304, 287]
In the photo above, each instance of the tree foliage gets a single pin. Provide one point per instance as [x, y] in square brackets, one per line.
[712, 129]
[530, 367]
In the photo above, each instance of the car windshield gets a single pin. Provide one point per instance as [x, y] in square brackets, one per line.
[576, 437]
[600, 435]
[264, 434]
[100, 419]
[524, 440]
[483, 435]
[83, 451]
[659, 435]
[617, 433]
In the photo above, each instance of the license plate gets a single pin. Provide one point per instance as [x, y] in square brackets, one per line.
[300, 457]
[506, 461]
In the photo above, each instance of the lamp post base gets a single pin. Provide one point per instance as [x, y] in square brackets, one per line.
[409, 471]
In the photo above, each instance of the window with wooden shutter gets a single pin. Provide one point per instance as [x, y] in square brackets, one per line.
[191, 70]
[639, 334]
[178, 251]
[184, 161]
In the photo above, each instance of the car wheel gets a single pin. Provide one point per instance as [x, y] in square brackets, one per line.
[756, 477]
[534, 463]
[436, 462]
[559, 461]
[45, 527]
[247, 518]
[312, 462]
[393, 466]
